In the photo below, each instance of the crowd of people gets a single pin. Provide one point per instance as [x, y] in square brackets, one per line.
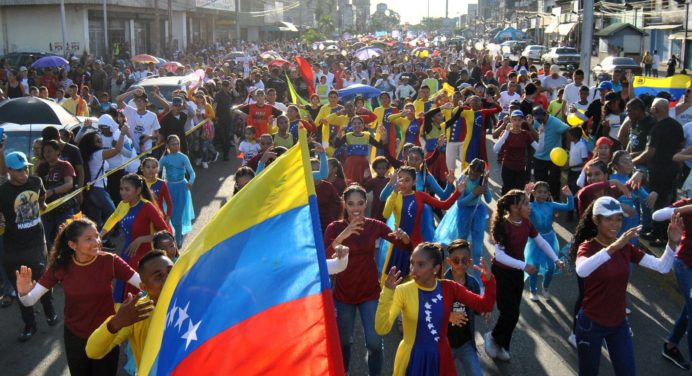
[405, 227]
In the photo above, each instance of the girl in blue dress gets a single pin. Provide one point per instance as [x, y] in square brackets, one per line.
[542, 211]
[174, 166]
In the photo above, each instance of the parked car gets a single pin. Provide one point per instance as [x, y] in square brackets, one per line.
[533, 52]
[562, 56]
[612, 63]
[511, 49]
[22, 59]
[21, 137]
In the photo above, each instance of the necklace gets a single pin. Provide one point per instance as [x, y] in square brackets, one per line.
[515, 222]
[79, 263]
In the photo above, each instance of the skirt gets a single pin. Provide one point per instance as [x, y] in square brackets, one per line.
[535, 256]
[183, 212]
[355, 168]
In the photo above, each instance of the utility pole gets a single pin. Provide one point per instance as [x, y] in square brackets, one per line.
[64, 30]
[684, 41]
[446, 9]
[170, 25]
[300, 20]
[106, 53]
[586, 37]
[237, 20]
[157, 30]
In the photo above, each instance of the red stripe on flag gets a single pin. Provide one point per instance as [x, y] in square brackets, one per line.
[306, 73]
[294, 338]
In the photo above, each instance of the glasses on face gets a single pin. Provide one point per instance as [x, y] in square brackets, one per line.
[460, 260]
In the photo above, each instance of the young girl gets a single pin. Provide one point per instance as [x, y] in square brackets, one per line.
[558, 106]
[165, 241]
[86, 275]
[249, 147]
[139, 218]
[409, 126]
[243, 175]
[158, 187]
[375, 185]
[542, 214]
[336, 175]
[425, 304]
[511, 147]
[175, 165]
[295, 123]
[433, 128]
[467, 219]
[356, 143]
[282, 137]
[357, 287]
[603, 261]
[511, 229]
[407, 206]
[598, 185]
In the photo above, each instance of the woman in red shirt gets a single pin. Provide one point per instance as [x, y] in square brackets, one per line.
[86, 275]
[511, 147]
[603, 261]
[358, 287]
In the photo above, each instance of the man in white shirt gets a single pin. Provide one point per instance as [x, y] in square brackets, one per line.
[404, 90]
[571, 95]
[143, 124]
[361, 76]
[553, 82]
[509, 95]
[328, 74]
[657, 62]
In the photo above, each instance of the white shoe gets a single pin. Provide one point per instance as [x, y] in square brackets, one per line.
[628, 311]
[546, 295]
[533, 296]
[216, 157]
[490, 346]
[504, 355]
[205, 165]
[198, 162]
[572, 339]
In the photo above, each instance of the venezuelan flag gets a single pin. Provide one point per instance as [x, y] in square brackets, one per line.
[250, 295]
[675, 85]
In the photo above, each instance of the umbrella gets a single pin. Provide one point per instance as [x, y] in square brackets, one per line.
[278, 63]
[367, 53]
[50, 61]
[234, 54]
[273, 55]
[144, 58]
[32, 110]
[366, 91]
[358, 45]
[161, 60]
[172, 66]
[378, 43]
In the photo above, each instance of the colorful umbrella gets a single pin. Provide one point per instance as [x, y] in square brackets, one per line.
[172, 66]
[419, 50]
[367, 53]
[366, 91]
[50, 61]
[278, 63]
[144, 58]
[270, 55]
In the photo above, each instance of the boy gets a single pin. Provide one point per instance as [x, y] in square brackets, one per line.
[249, 147]
[461, 327]
[578, 155]
[131, 322]
[557, 106]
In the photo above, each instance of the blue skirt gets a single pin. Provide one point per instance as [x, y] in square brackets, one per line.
[183, 212]
[460, 221]
[535, 256]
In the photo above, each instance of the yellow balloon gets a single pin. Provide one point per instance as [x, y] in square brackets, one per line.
[559, 156]
[574, 120]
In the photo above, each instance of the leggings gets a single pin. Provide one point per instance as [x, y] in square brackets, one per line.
[453, 153]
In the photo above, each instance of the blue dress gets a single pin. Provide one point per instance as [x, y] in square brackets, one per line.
[542, 219]
[425, 354]
[126, 223]
[175, 166]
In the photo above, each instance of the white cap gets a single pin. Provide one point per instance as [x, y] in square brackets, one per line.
[607, 206]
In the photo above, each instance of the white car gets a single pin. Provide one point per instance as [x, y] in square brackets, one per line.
[533, 52]
[562, 56]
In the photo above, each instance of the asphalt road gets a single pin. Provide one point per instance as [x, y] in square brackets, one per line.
[539, 345]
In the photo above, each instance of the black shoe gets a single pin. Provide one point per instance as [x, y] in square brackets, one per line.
[52, 320]
[27, 333]
[6, 301]
[649, 236]
[674, 356]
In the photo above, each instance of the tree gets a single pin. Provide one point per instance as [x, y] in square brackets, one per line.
[311, 35]
[326, 24]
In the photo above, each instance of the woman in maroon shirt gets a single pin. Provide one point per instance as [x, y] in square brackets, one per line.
[603, 261]
[86, 275]
[358, 286]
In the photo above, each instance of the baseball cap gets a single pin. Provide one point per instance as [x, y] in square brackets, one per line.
[524, 72]
[605, 85]
[22, 69]
[604, 140]
[16, 160]
[607, 206]
[554, 69]
[518, 113]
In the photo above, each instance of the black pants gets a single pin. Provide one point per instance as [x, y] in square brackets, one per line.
[224, 135]
[548, 172]
[510, 285]
[512, 179]
[577, 304]
[37, 265]
[81, 365]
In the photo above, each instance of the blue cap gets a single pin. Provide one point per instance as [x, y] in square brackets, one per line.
[16, 160]
[518, 113]
[605, 85]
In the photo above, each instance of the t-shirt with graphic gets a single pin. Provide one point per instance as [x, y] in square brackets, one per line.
[20, 206]
[141, 125]
[54, 176]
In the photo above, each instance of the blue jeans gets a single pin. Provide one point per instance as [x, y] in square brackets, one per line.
[345, 320]
[206, 150]
[101, 205]
[468, 357]
[590, 338]
[682, 325]
[547, 277]
[51, 223]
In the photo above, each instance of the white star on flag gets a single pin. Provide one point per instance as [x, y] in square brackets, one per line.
[428, 318]
[434, 300]
[433, 332]
[439, 296]
[182, 316]
[171, 315]
[437, 339]
[431, 326]
[191, 334]
[427, 305]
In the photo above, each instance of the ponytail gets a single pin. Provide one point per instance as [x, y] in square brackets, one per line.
[497, 225]
[586, 230]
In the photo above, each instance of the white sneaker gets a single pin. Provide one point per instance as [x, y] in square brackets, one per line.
[216, 157]
[205, 165]
[198, 162]
[503, 355]
[533, 296]
[572, 339]
[546, 295]
[490, 346]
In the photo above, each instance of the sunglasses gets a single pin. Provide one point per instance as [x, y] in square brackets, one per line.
[460, 260]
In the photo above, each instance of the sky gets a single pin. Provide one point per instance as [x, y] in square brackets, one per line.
[413, 13]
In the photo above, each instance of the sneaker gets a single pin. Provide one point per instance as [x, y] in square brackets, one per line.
[675, 356]
[533, 296]
[216, 157]
[205, 165]
[198, 162]
[572, 339]
[53, 320]
[504, 355]
[546, 295]
[491, 348]
[27, 333]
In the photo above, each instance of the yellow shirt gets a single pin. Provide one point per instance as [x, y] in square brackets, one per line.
[286, 142]
[72, 106]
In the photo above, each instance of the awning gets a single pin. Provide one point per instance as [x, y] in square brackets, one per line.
[680, 35]
[662, 27]
[288, 27]
[551, 28]
[566, 28]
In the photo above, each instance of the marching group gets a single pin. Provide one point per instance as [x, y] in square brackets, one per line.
[404, 235]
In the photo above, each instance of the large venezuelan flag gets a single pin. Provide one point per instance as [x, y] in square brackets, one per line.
[675, 85]
[250, 295]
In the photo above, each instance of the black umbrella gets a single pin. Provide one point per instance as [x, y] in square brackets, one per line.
[31, 110]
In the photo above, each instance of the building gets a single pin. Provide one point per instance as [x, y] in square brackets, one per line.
[362, 14]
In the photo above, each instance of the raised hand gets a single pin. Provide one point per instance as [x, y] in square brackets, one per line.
[566, 191]
[625, 238]
[484, 269]
[393, 278]
[341, 251]
[401, 235]
[676, 227]
[129, 313]
[24, 282]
